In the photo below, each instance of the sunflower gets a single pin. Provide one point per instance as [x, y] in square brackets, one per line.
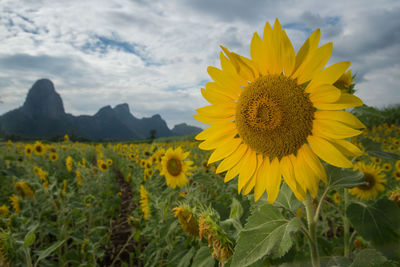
[23, 189]
[102, 165]
[4, 211]
[109, 162]
[69, 163]
[38, 148]
[28, 150]
[276, 114]
[187, 219]
[53, 156]
[396, 174]
[336, 198]
[175, 167]
[64, 190]
[15, 203]
[78, 177]
[144, 202]
[387, 167]
[374, 179]
[397, 165]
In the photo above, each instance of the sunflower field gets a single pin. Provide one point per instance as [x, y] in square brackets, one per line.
[161, 204]
[285, 175]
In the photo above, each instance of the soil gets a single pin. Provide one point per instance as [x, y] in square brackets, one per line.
[120, 229]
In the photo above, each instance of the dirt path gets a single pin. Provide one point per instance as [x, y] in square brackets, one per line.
[121, 230]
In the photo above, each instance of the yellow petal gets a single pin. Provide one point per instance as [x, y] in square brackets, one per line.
[333, 129]
[247, 169]
[261, 179]
[252, 181]
[330, 74]
[216, 140]
[328, 152]
[214, 97]
[273, 182]
[243, 68]
[216, 130]
[233, 159]
[345, 101]
[340, 115]
[212, 120]
[313, 162]
[314, 64]
[276, 44]
[268, 48]
[233, 172]
[224, 80]
[229, 68]
[288, 54]
[213, 86]
[257, 53]
[324, 93]
[224, 150]
[305, 175]
[309, 46]
[287, 171]
[236, 169]
[347, 148]
[218, 111]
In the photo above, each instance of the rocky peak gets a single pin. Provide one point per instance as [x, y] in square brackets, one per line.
[122, 108]
[43, 101]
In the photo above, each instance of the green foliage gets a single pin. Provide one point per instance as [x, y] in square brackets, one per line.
[369, 258]
[378, 223]
[371, 116]
[384, 155]
[339, 177]
[203, 258]
[267, 233]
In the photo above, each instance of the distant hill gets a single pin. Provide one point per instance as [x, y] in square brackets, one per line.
[43, 116]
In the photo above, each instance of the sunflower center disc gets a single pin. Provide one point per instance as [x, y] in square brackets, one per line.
[274, 116]
[370, 180]
[174, 167]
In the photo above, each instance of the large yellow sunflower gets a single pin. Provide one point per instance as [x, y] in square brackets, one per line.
[374, 179]
[175, 167]
[144, 202]
[275, 114]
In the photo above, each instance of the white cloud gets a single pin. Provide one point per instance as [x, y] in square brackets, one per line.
[83, 47]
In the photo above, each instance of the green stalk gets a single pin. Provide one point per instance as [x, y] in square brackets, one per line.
[346, 226]
[312, 223]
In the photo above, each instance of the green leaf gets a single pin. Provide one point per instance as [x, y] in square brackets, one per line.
[30, 236]
[29, 239]
[337, 261]
[185, 261]
[266, 233]
[378, 223]
[45, 253]
[236, 210]
[370, 145]
[339, 177]
[287, 199]
[203, 258]
[384, 155]
[368, 258]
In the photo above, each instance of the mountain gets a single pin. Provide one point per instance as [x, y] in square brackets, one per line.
[184, 129]
[43, 116]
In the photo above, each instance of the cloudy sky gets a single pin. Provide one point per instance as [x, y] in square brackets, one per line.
[153, 54]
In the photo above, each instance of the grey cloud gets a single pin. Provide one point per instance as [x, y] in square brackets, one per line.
[379, 30]
[44, 63]
[227, 10]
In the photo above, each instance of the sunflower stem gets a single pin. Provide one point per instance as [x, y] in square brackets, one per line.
[346, 226]
[312, 223]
